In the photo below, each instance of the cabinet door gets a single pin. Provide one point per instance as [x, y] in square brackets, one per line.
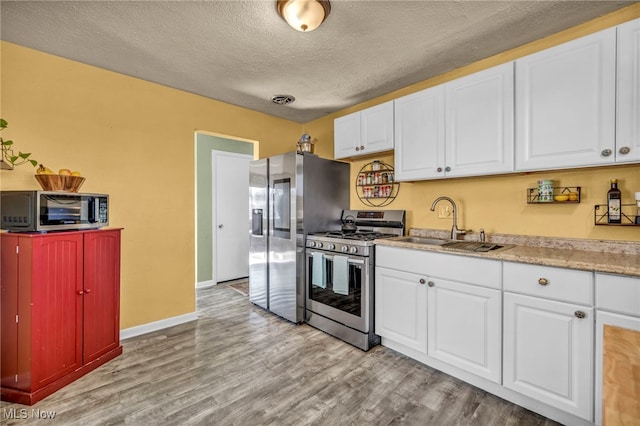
[8, 311]
[548, 352]
[376, 129]
[101, 293]
[628, 108]
[621, 358]
[346, 136]
[419, 135]
[479, 110]
[56, 305]
[565, 104]
[465, 327]
[401, 308]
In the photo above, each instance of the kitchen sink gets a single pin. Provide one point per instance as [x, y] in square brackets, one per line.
[474, 246]
[421, 240]
[466, 246]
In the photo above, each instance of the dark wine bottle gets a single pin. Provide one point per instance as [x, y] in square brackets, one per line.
[614, 201]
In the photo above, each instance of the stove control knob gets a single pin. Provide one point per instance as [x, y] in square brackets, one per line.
[331, 246]
[344, 248]
[319, 244]
[353, 250]
[311, 243]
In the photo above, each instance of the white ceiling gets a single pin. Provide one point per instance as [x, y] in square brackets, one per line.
[242, 52]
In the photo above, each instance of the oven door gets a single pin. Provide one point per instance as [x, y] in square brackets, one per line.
[349, 303]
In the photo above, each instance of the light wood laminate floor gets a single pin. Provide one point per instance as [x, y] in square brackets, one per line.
[240, 365]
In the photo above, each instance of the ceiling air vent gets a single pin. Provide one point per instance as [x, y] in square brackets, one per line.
[282, 99]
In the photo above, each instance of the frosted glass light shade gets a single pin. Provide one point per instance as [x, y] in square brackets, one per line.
[304, 15]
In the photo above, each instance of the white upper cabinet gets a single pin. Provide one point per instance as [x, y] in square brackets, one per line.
[461, 128]
[364, 132]
[565, 104]
[628, 100]
[419, 135]
[479, 123]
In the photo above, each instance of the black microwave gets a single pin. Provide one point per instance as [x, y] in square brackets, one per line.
[41, 211]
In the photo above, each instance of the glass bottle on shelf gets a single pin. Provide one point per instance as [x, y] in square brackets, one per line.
[614, 201]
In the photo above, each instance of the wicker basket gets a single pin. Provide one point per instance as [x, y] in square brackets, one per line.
[60, 182]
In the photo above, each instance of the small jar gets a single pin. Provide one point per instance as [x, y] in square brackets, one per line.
[375, 166]
[545, 191]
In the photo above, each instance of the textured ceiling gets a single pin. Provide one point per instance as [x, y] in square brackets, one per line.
[242, 52]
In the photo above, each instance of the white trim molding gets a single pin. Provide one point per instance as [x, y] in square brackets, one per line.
[157, 325]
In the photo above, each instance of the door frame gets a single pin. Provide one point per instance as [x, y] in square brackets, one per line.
[214, 205]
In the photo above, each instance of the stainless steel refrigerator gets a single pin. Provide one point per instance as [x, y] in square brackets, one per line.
[291, 195]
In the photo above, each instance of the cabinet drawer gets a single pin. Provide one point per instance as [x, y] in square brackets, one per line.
[618, 294]
[471, 270]
[566, 285]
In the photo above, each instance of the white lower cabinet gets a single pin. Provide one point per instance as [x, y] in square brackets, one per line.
[464, 327]
[548, 352]
[523, 332]
[401, 308]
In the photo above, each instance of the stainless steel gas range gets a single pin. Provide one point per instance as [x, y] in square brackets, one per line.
[340, 275]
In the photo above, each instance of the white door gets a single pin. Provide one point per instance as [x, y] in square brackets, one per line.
[346, 136]
[230, 174]
[464, 327]
[479, 120]
[376, 128]
[565, 104]
[548, 352]
[419, 134]
[628, 108]
[401, 308]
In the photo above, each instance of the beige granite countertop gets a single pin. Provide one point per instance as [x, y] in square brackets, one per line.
[617, 257]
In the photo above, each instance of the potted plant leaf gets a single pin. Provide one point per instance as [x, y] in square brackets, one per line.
[9, 159]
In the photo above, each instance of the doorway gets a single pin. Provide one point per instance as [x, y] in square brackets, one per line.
[204, 235]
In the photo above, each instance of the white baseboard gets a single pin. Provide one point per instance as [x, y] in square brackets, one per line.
[157, 325]
[205, 284]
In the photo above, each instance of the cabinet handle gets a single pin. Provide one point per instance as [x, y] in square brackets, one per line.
[439, 169]
[88, 290]
[422, 281]
[624, 150]
[606, 152]
[447, 169]
[80, 293]
[580, 314]
[543, 281]
[431, 283]
[357, 148]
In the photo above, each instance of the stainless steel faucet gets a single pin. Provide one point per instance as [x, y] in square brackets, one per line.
[454, 229]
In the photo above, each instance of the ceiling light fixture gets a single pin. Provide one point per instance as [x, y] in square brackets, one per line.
[304, 15]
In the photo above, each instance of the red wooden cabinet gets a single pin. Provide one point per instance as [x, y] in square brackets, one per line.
[60, 298]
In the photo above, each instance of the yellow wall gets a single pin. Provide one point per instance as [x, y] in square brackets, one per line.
[498, 203]
[135, 141]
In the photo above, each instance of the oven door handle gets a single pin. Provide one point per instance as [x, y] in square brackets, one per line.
[351, 260]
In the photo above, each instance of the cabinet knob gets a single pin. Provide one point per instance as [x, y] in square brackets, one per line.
[543, 281]
[422, 281]
[580, 314]
[80, 293]
[439, 169]
[87, 290]
[447, 169]
[624, 150]
[431, 283]
[606, 152]
[357, 148]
